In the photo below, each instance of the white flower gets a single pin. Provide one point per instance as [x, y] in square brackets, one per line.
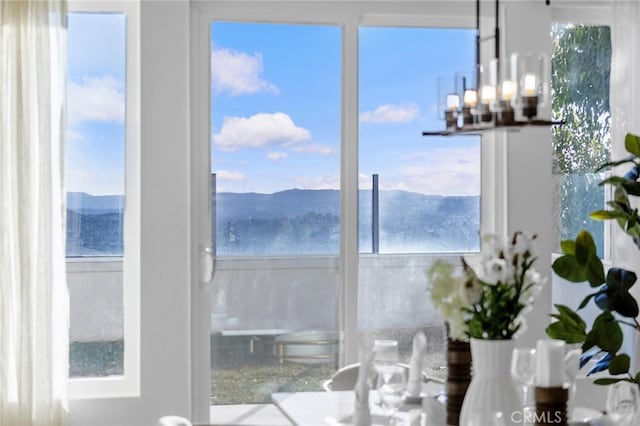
[523, 243]
[496, 270]
[472, 291]
[492, 247]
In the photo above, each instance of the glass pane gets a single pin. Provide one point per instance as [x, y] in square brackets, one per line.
[581, 65]
[275, 170]
[428, 189]
[95, 175]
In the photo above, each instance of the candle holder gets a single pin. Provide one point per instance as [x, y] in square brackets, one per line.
[451, 117]
[467, 117]
[529, 106]
[551, 406]
[484, 113]
[506, 115]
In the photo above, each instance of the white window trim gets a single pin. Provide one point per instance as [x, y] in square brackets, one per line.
[127, 385]
[589, 14]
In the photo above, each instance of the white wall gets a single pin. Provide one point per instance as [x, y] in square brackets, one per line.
[165, 233]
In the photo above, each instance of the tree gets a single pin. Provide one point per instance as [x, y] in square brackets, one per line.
[581, 66]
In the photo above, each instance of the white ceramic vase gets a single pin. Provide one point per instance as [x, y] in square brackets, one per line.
[492, 397]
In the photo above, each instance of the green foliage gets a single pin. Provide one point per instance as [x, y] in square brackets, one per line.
[580, 97]
[580, 263]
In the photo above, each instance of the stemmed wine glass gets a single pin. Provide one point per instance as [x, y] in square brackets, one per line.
[392, 385]
[523, 370]
[623, 403]
[385, 353]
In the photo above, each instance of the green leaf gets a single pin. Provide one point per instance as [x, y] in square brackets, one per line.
[628, 159]
[567, 268]
[571, 317]
[586, 300]
[560, 330]
[619, 364]
[568, 247]
[585, 247]
[613, 180]
[568, 327]
[595, 271]
[606, 215]
[608, 381]
[632, 188]
[632, 144]
[606, 333]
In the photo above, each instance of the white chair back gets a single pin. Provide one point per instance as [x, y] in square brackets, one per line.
[173, 421]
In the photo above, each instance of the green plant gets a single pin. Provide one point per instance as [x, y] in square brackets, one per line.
[580, 263]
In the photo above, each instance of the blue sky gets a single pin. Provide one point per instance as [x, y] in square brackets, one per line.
[96, 67]
[276, 108]
[276, 100]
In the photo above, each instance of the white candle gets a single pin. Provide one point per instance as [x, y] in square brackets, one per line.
[507, 90]
[530, 83]
[453, 102]
[549, 363]
[470, 98]
[488, 94]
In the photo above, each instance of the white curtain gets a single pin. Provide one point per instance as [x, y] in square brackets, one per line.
[33, 292]
[625, 118]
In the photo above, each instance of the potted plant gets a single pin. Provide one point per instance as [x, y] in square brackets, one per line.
[486, 305]
[580, 263]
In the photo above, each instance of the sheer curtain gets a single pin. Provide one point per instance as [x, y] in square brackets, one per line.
[33, 293]
[625, 108]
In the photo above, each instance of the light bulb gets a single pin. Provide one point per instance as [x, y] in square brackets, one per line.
[453, 102]
[470, 98]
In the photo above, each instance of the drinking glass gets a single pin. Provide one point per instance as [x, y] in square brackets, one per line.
[385, 354]
[392, 384]
[523, 371]
[623, 403]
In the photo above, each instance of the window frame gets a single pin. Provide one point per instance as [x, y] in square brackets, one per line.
[128, 384]
[350, 17]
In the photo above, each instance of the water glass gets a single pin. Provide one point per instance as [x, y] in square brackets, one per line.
[385, 354]
[392, 385]
[623, 403]
[523, 371]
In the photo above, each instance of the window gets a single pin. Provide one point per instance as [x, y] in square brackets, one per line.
[95, 182]
[276, 207]
[427, 190]
[101, 175]
[581, 65]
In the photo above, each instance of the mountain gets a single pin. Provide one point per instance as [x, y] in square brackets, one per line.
[295, 222]
[94, 204]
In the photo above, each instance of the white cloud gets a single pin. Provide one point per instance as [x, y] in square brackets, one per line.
[238, 73]
[96, 99]
[388, 113]
[320, 182]
[446, 171]
[314, 149]
[228, 175]
[260, 130]
[276, 155]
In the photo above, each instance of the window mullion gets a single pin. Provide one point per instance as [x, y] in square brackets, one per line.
[349, 196]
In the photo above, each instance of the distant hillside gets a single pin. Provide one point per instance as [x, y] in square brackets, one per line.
[89, 204]
[295, 222]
